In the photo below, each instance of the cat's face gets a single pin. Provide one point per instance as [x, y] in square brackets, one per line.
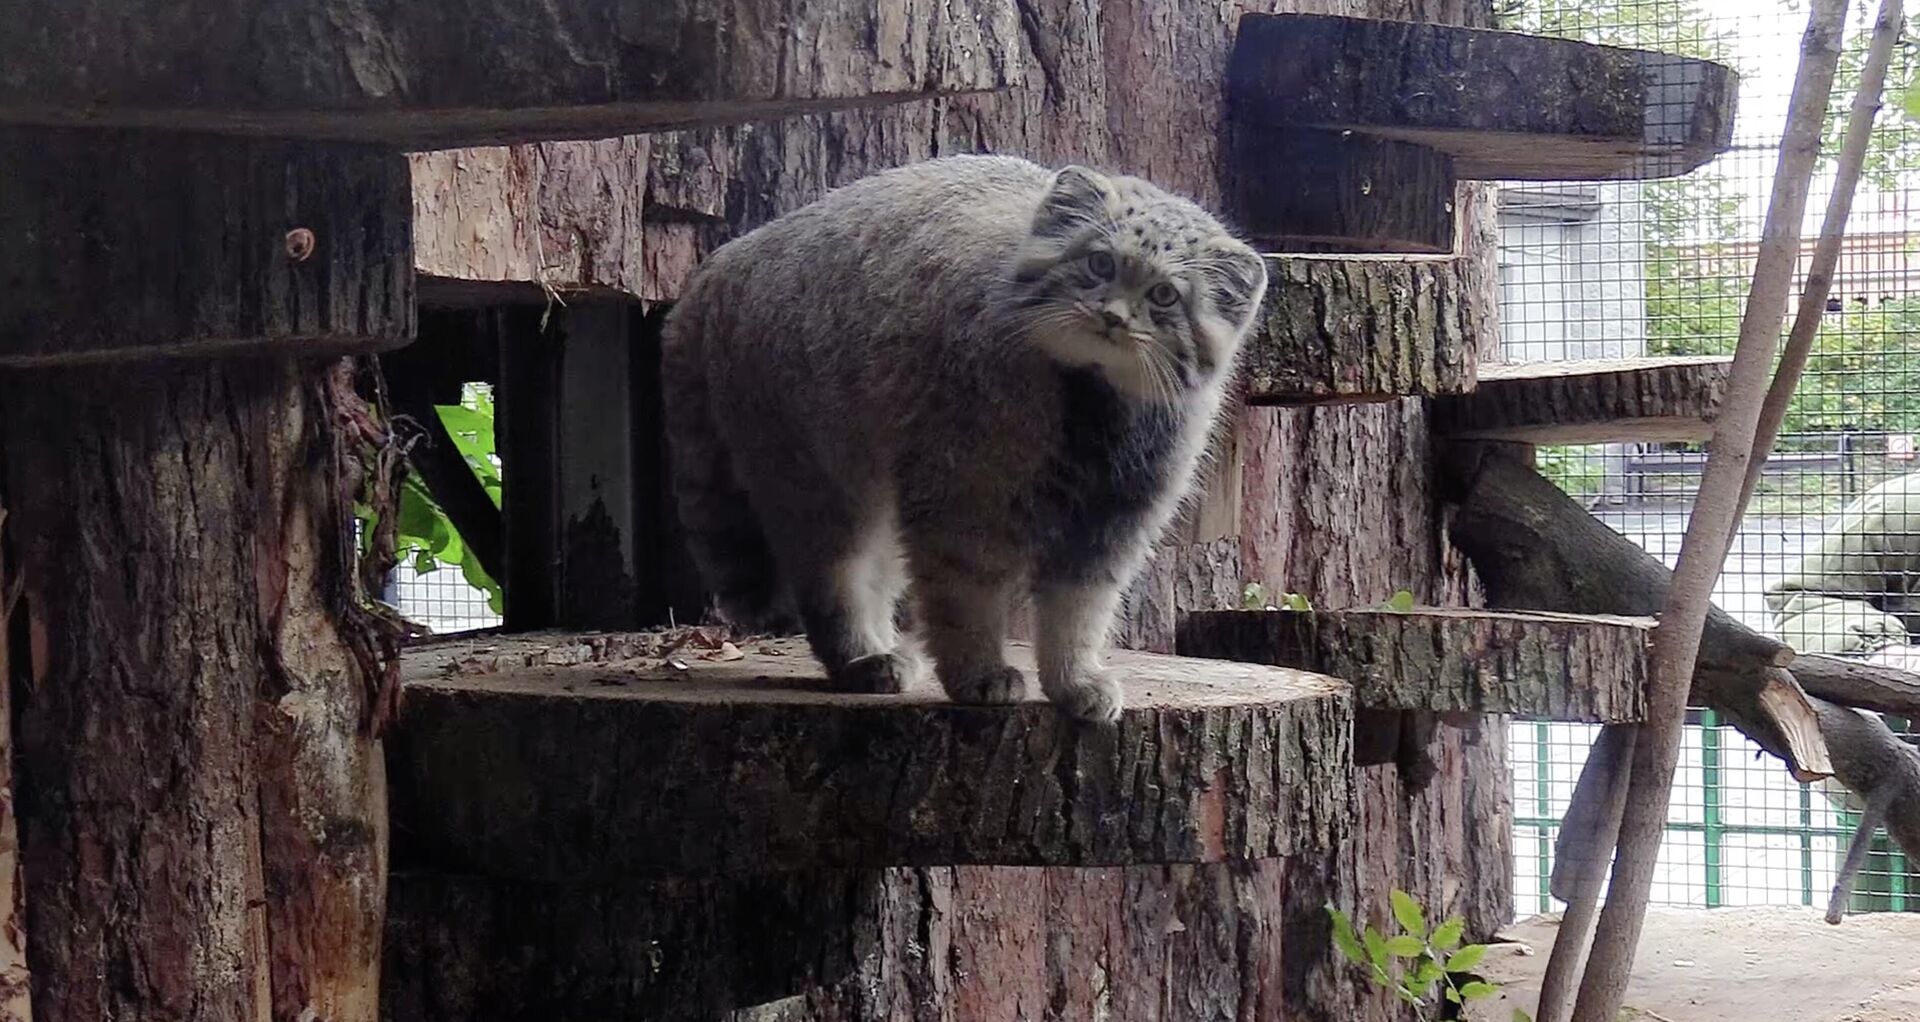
[1143, 285]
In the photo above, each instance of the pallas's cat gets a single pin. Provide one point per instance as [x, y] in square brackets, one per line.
[961, 379]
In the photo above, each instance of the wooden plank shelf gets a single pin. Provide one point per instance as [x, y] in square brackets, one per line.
[1400, 111]
[1556, 666]
[474, 72]
[1364, 329]
[1667, 398]
[613, 756]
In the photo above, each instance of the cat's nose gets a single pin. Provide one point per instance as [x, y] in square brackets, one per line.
[1113, 316]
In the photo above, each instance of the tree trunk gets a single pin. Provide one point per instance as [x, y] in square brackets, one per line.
[1336, 503]
[201, 810]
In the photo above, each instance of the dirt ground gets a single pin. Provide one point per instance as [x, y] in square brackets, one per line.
[1736, 964]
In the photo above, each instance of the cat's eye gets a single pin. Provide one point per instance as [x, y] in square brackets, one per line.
[1101, 263]
[1163, 294]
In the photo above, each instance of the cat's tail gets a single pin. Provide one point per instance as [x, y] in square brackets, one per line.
[723, 534]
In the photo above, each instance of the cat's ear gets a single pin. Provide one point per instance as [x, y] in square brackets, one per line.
[1236, 279]
[1078, 197]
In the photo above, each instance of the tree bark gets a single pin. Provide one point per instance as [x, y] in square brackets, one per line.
[1558, 666]
[1505, 105]
[1582, 402]
[15, 980]
[430, 76]
[1338, 503]
[201, 813]
[95, 269]
[756, 765]
[1335, 191]
[1363, 330]
[1535, 548]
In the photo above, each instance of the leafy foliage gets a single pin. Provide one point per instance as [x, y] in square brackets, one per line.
[426, 537]
[1423, 968]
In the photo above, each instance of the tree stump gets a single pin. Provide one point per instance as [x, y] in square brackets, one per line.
[654, 807]
[1555, 666]
[1366, 329]
[1587, 402]
[753, 764]
[470, 72]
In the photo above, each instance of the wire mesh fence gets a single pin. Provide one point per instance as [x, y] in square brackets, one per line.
[430, 585]
[1830, 550]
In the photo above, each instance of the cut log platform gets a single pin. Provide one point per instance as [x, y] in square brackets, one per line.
[1554, 666]
[1418, 106]
[613, 756]
[1587, 402]
[472, 72]
[1365, 329]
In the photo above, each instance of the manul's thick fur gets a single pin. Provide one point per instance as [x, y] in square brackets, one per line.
[972, 373]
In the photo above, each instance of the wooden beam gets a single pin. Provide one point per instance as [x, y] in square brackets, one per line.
[1336, 191]
[472, 72]
[262, 247]
[1663, 398]
[1504, 105]
[1535, 548]
[588, 541]
[1555, 666]
[745, 762]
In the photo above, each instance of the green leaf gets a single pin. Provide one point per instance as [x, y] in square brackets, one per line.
[417, 514]
[459, 419]
[1344, 939]
[1253, 597]
[1402, 601]
[1408, 996]
[443, 540]
[1521, 1016]
[1295, 601]
[423, 563]
[1407, 912]
[1476, 990]
[1376, 948]
[1428, 973]
[478, 578]
[1910, 99]
[1405, 946]
[1446, 936]
[1466, 958]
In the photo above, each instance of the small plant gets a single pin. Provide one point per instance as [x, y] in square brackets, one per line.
[1428, 969]
[1401, 602]
[1254, 596]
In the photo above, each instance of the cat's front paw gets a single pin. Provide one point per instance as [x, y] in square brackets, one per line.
[992, 687]
[1092, 696]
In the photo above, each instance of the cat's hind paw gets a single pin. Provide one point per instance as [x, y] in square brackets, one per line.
[880, 673]
[994, 687]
